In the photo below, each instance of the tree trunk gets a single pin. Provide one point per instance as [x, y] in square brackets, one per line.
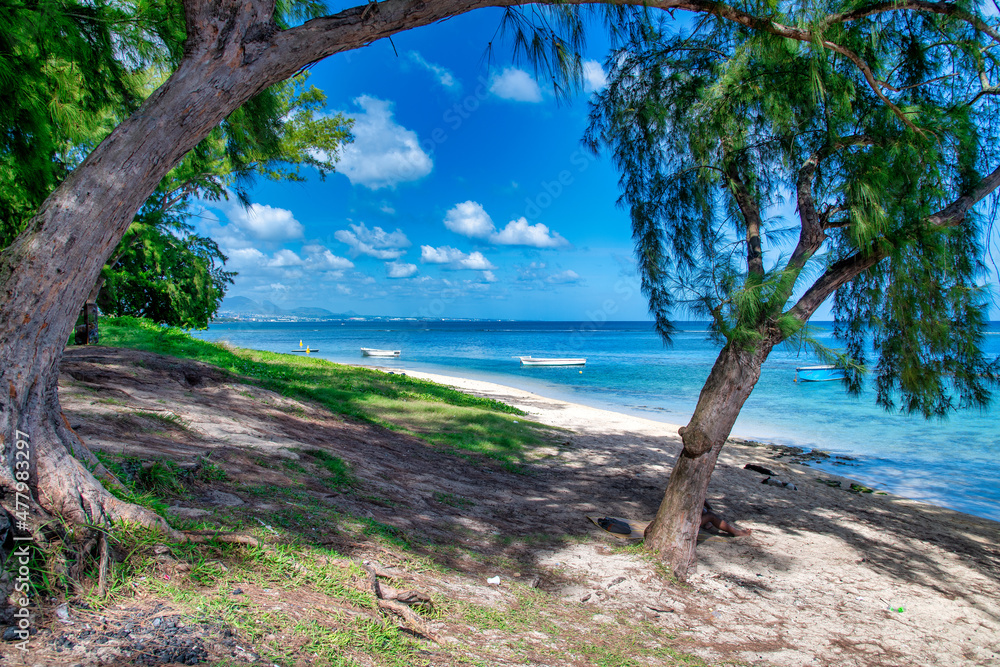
[51, 267]
[674, 532]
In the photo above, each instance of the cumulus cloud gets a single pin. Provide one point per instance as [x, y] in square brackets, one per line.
[564, 277]
[442, 255]
[443, 76]
[240, 258]
[375, 242]
[515, 84]
[469, 219]
[320, 258]
[475, 260]
[519, 232]
[265, 223]
[383, 153]
[400, 269]
[284, 258]
[455, 258]
[594, 77]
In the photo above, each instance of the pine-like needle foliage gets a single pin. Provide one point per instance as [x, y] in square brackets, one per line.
[713, 129]
[70, 71]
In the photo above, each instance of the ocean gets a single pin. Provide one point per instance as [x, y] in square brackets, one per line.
[952, 462]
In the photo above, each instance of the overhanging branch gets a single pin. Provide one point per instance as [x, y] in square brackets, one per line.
[851, 267]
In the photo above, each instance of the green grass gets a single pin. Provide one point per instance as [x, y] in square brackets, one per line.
[440, 415]
[340, 476]
[452, 500]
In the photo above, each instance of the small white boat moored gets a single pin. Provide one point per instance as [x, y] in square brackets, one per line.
[818, 373]
[533, 361]
[371, 352]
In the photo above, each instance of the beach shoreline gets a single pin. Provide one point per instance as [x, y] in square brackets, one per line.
[827, 577]
[566, 413]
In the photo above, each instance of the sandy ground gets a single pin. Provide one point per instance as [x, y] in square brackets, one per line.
[865, 579]
[828, 577]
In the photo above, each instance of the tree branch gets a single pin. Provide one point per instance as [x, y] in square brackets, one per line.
[751, 215]
[359, 26]
[849, 268]
[812, 230]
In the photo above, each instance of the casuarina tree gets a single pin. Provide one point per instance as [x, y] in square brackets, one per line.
[233, 50]
[162, 269]
[881, 133]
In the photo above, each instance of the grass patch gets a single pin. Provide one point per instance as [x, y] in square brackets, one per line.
[340, 476]
[440, 415]
[166, 419]
[452, 500]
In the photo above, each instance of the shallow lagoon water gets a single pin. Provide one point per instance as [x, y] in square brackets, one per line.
[952, 463]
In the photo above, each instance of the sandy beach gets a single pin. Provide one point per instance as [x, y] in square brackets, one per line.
[827, 575]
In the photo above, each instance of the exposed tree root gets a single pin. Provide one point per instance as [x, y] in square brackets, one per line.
[202, 536]
[396, 602]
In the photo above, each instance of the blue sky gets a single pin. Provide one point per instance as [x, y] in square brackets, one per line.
[466, 193]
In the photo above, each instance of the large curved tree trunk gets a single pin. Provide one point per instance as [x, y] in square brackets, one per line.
[51, 267]
[674, 532]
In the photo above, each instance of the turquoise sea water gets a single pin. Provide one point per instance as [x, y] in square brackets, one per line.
[953, 463]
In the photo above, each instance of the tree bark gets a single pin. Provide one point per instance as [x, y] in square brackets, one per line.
[51, 267]
[673, 534]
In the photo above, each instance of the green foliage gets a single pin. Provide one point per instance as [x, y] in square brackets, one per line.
[714, 128]
[70, 71]
[164, 271]
[63, 77]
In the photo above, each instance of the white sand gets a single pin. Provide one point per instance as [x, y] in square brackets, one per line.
[822, 578]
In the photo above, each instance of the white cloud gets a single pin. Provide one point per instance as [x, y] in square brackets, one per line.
[375, 242]
[321, 259]
[244, 258]
[383, 153]
[265, 223]
[400, 269]
[594, 77]
[469, 219]
[519, 232]
[515, 84]
[444, 77]
[475, 261]
[284, 258]
[442, 255]
[489, 277]
[568, 276]
[454, 258]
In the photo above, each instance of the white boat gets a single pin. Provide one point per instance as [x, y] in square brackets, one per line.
[818, 373]
[371, 352]
[533, 361]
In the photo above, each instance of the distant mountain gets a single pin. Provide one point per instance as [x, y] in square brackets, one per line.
[270, 309]
[244, 306]
[240, 304]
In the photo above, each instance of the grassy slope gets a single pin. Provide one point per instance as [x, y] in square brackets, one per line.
[441, 415]
[335, 621]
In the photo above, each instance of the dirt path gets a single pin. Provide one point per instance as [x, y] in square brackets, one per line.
[828, 577]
